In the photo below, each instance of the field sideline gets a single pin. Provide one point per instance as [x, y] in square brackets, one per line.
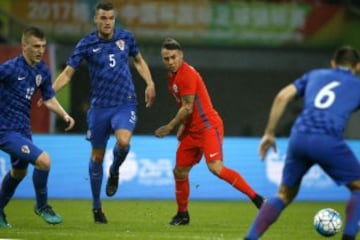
[140, 219]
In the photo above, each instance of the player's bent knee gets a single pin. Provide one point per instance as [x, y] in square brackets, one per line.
[123, 138]
[97, 155]
[215, 167]
[180, 173]
[43, 162]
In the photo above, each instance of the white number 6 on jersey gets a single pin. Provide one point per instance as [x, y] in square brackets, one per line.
[326, 96]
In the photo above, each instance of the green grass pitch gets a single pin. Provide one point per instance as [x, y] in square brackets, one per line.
[148, 220]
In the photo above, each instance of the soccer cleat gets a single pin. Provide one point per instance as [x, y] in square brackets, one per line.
[181, 218]
[112, 184]
[99, 216]
[258, 200]
[3, 222]
[48, 214]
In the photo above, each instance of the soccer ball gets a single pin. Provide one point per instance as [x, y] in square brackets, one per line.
[327, 222]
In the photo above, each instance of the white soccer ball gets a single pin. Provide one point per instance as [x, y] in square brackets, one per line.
[327, 222]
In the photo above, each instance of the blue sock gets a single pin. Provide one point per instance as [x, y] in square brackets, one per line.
[96, 176]
[119, 157]
[40, 178]
[267, 215]
[7, 190]
[352, 215]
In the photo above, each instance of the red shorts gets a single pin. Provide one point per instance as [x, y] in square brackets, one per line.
[194, 145]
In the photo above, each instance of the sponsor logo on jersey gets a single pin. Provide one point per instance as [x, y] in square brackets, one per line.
[20, 78]
[95, 50]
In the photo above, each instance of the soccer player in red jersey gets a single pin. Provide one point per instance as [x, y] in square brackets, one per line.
[200, 131]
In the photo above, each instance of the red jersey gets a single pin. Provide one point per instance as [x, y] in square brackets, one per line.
[187, 81]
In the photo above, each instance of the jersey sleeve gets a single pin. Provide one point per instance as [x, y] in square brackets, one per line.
[5, 71]
[134, 49]
[78, 54]
[187, 84]
[300, 84]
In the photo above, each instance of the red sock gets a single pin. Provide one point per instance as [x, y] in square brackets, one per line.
[237, 181]
[182, 191]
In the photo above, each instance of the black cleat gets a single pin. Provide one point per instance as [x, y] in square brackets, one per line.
[99, 216]
[258, 200]
[112, 184]
[181, 218]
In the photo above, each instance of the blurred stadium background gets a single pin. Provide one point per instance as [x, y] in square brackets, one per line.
[245, 50]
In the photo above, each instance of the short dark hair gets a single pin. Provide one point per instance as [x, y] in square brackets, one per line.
[32, 31]
[104, 6]
[346, 56]
[171, 44]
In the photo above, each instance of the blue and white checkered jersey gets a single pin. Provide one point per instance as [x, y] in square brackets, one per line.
[108, 63]
[18, 84]
[330, 96]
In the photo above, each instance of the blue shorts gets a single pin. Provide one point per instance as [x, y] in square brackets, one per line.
[332, 154]
[21, 149]
[102, 122]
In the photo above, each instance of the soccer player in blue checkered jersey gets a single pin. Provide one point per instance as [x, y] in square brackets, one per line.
[113, 103]
[20, 78]
[330, 96]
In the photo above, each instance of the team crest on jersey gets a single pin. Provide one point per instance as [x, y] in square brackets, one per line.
[175, 88]
[38, 80]
[120, 44]
[25, 149]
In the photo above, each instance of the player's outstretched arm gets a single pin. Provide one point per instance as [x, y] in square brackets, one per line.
[144, 71]
[53, 105]
[184, 111]
[285, 95]
[63, 78]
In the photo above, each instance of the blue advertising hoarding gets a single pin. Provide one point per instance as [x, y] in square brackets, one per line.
[147, 171]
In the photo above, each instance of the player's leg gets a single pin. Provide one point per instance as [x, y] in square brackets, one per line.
[8, 186]
[212, 140]
[296, 165]
[40, 180]
[123, 122]
[99, 130]
[235, 179]
[187, 155]
[182, 193]
[352, 212]
[120, 151]
[343, 167]
[271, 210]
[96, 173]
[23, 152]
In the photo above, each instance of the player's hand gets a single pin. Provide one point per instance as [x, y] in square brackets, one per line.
[267, 141]
[70, 121]
[162, 131]
[150, 95]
